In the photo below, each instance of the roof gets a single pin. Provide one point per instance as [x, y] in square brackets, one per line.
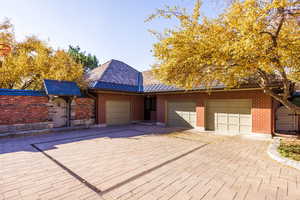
[115, 71]
[117, 87]
[115, 75]
[61, 88]
[15, 92]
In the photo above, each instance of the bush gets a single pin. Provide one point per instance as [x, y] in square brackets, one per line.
[290, 149]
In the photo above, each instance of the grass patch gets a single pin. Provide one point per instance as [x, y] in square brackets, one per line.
[290, 148]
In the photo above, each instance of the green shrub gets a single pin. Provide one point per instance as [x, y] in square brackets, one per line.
[290, 149]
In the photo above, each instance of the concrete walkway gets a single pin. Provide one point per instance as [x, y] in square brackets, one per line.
[137, 162]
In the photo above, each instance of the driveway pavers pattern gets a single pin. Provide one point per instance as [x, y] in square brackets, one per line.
[129, 162]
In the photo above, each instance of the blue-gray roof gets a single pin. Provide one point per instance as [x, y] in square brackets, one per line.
[115, 71]
[118, 76]
[116, 87]
[160, 88]
[15, 92]
[61, 88]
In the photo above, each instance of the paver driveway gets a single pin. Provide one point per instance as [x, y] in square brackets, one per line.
[131, 163]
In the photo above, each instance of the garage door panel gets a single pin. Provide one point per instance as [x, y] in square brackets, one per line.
[181, 114]
[245, 119]
[233, 128]
[245, 129]
[117, 112]
[221, 126]
[233, 118]
[229, 115]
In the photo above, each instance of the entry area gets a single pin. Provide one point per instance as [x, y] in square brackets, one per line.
[60, 112]
[231, 116]
[117, 112]
[181, 114]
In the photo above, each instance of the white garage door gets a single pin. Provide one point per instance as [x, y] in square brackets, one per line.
[231, 116]
[181, 114]
[117, 112]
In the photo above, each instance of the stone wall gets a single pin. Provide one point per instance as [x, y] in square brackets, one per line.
[29, 112]
[83, 111]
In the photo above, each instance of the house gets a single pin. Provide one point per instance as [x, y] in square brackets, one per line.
[125, 95]
[118, 94]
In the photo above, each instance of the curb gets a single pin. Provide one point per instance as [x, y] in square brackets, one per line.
[275, 155]
[43, 131]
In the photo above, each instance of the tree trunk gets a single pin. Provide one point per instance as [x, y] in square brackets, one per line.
[288, 104]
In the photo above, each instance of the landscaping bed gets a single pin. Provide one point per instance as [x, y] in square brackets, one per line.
[290, 148]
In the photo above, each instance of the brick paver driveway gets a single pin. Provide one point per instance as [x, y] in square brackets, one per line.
[129, 162]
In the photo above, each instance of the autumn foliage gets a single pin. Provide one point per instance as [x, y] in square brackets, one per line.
[32, 60]
[257, 40]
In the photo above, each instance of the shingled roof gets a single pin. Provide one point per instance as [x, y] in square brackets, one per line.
[115, 75]
[115, 71]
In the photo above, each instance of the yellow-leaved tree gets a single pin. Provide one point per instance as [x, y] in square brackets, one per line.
[255, 41]
[31, 61]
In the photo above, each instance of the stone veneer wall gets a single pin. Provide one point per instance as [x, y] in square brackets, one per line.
[83, 111]
[23, 113]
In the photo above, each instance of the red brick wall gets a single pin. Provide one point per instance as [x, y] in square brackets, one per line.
[262, 119]
[85, 108]
[23, 109]
[137, 105]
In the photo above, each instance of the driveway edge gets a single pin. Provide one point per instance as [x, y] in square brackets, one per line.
[275, 155]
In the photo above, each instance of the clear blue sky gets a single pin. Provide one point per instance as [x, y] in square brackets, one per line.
[107, 28]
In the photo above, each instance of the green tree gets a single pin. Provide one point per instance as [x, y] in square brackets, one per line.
[252, 39]
[88, 61]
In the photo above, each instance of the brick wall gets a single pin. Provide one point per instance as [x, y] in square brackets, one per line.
[85, 108]
[136, 101]
[23, 109]
[24, 112]
[262, 116]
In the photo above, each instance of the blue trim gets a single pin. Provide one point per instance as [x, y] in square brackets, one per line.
[61, 88]
[14, 92]
[116, 87]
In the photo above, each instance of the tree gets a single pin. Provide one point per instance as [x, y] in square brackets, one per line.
[32, 60]
[252, 40]
[88, 61]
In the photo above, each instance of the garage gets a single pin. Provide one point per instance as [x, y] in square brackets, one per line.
[231, 116]
[117, 112]
[181, 114]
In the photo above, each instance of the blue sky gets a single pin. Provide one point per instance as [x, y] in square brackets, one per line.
[107, 28]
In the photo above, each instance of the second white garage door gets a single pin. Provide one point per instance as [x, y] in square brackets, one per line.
[181, 114]
[117, 112]
[231, 116]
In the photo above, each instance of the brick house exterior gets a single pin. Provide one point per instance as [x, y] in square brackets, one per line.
[137, 87]
[136, 101]
[262, 112]
[119, 94]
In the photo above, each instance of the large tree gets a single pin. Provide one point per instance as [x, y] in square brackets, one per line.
[89, 61]
[32, 60]
[257, 40]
